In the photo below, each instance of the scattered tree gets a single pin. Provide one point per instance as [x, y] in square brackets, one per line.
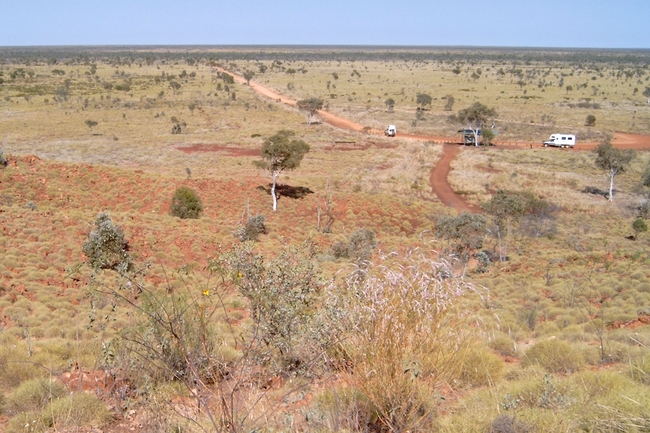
[186, 204]
[90, 124]
[390, 104]
[248, 76]
[474, 117]
[639, 226]
[311, 106]
[464, 232]
[175, 85]
[422, 100]
[192, 107]
[646, 93]
[613, 161]
[505, 208]
[591, 120]
[281, 152]
[450, 102]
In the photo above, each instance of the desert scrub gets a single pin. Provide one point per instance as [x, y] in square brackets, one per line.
[34, 394]
[398, 325]
[251, 230]
[106, 247]
[555, 356]
[68, 412]
[186, 204]
[480, 367]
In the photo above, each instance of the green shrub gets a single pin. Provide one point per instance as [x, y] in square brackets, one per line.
[480, 367]
[251, 231]
[358, 248]
[34, 394]
[555, 356]
[640, 370]
[186, 204]
[504, 346]
[68, 413]
[106, 247]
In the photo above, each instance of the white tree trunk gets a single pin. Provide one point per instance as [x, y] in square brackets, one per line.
[275, 198]
[612, 175]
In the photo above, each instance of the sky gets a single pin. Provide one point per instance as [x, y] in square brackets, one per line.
[502, 23]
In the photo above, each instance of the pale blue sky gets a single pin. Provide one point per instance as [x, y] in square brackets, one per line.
[517, 23]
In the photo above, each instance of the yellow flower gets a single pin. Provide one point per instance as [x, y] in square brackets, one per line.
[206, 292]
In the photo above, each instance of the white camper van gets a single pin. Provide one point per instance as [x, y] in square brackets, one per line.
[390, 131]
[561, 140]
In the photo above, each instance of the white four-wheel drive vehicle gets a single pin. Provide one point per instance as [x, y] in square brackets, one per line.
[561, 140]
[390, 131]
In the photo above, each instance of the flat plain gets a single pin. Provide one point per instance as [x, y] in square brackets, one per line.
[553, 335]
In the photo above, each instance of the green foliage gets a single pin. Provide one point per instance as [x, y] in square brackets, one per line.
[106, 247]
[476, 115]
[248, 76]
[281, 152]
[423, 99]
[390, 104]
[358, 248]
[310, 105]
[639, 226]
[465, 233]
[283, 295]
[591, 120]
[612, 161]
[91, 124]
[505, 208]
[480, 367]
[63, 414]
[34, 394]
[186, 204]
[251, 231]
[555, 356]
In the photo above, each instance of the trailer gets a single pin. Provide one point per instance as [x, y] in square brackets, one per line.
[560, 140]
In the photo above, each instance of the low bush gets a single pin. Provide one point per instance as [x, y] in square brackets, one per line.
[34, 394]
[106, 247]
[251, 230]
[555, 356]
[186, 204]
[480, 367]
[358, 248]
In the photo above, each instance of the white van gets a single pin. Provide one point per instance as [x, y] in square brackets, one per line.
[390, 131]
[561, 140]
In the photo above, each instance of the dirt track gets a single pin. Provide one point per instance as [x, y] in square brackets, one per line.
[438, 178]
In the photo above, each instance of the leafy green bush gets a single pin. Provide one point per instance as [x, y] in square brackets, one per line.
[251, 230]
[3, 161]
[106, 247]
[358, 248]
[186, 204]
[555, 356]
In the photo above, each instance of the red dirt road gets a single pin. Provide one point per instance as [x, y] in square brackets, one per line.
[440, 185]
[438, 178]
